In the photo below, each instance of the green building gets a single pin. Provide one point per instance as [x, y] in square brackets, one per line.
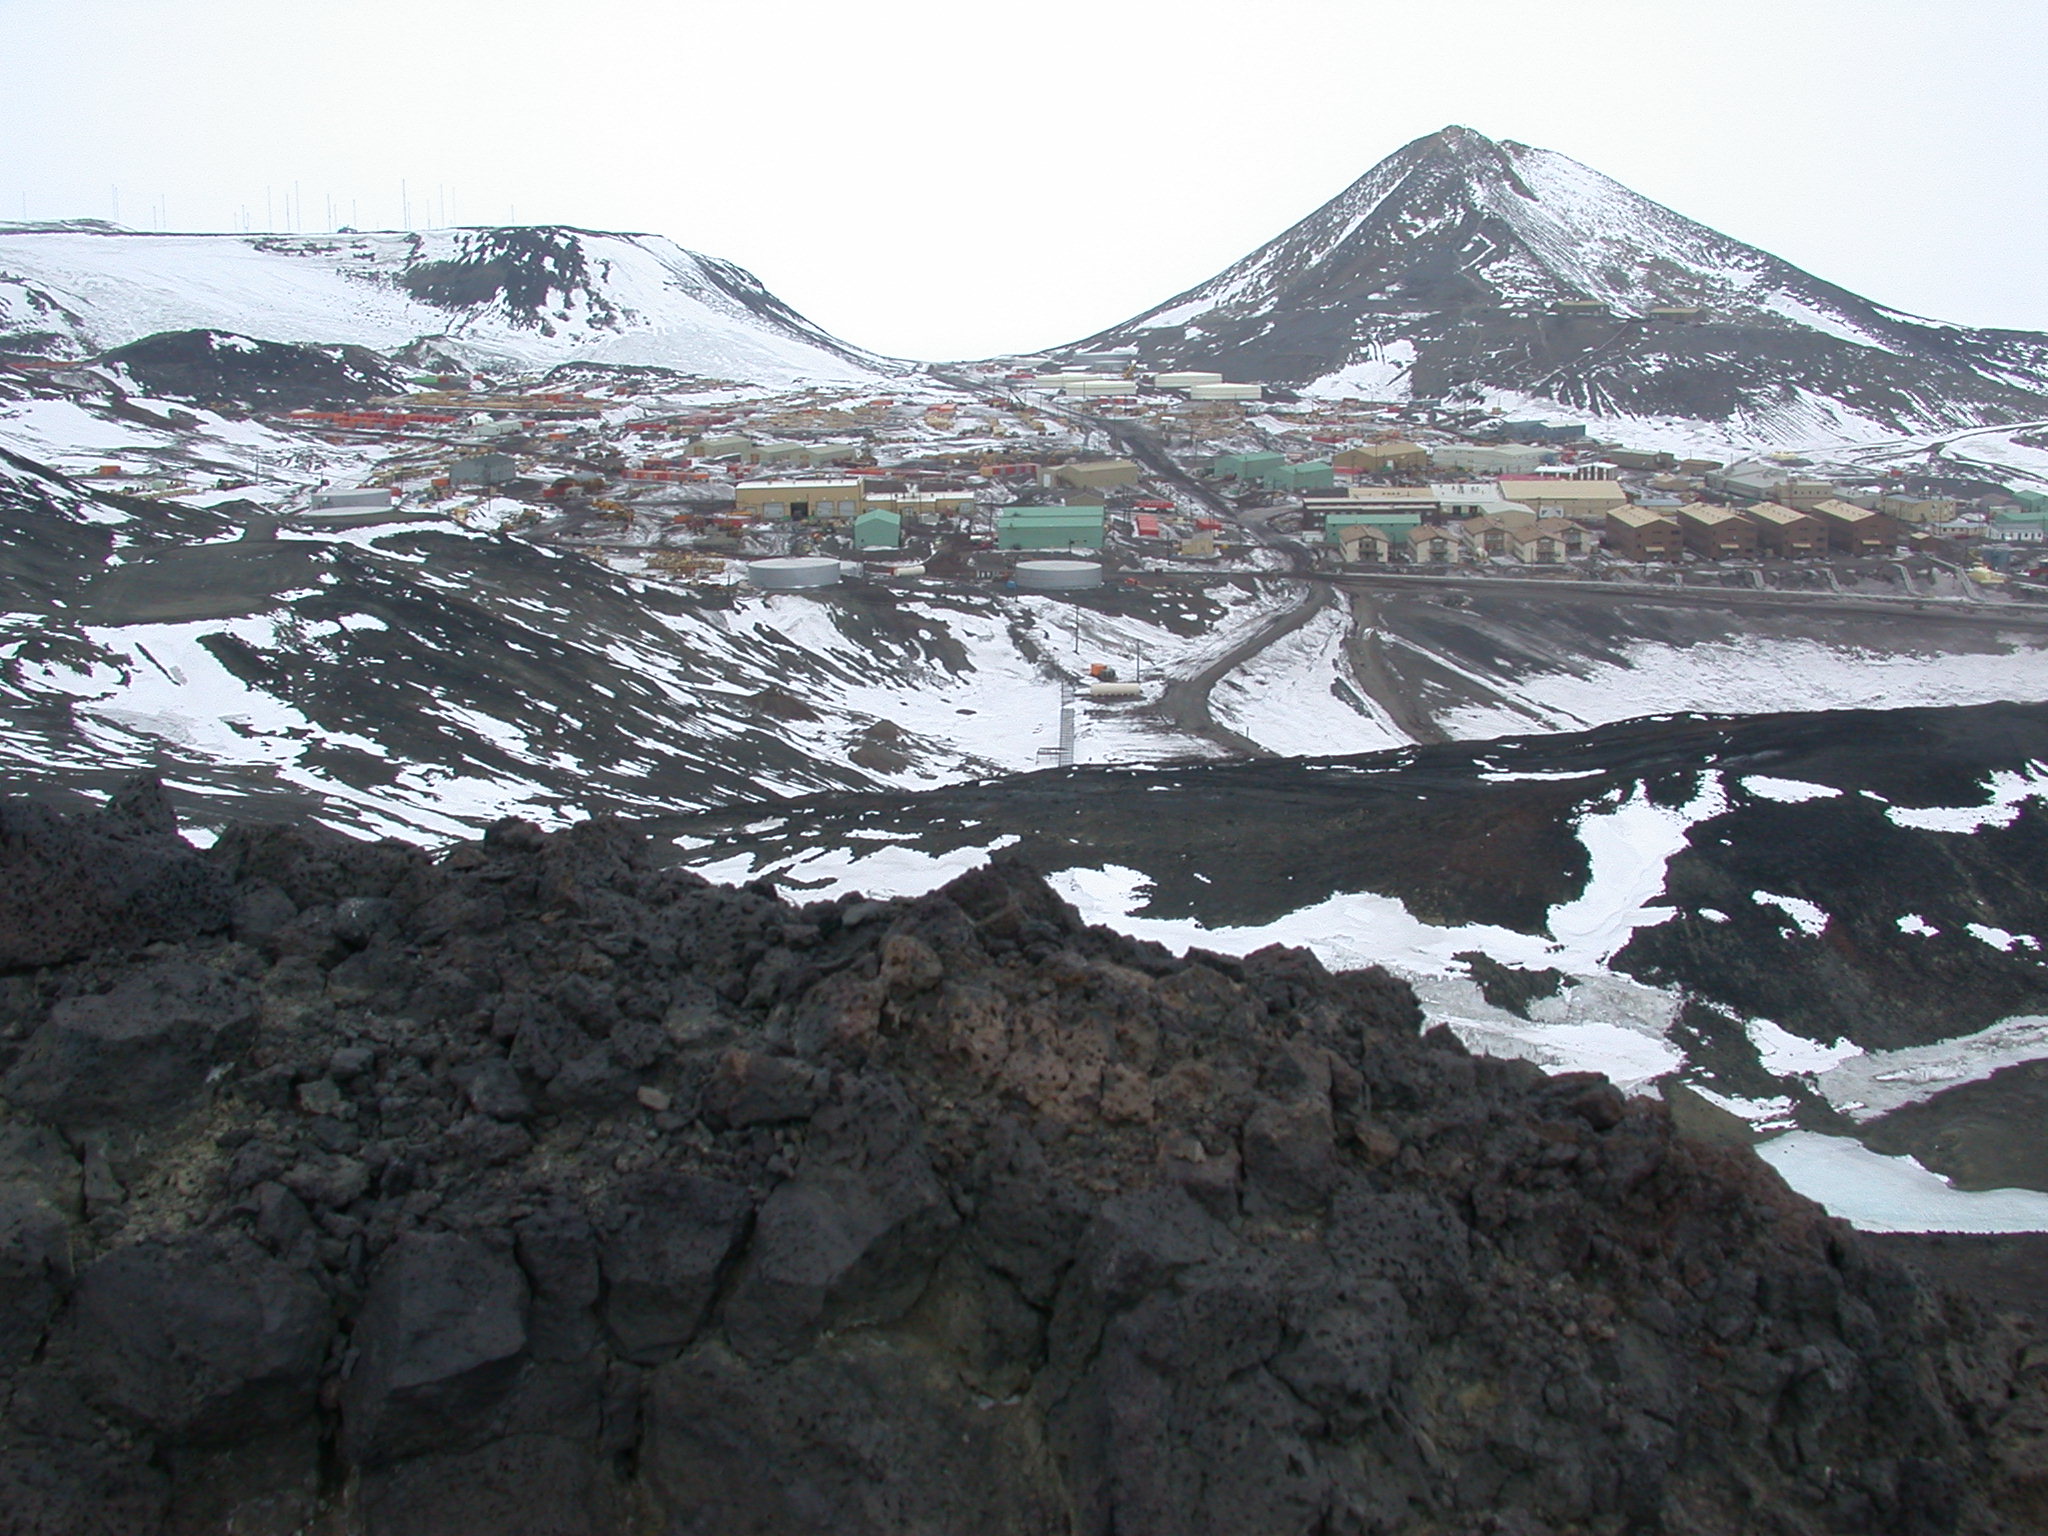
[878, 530]
[1394, 525]
[2032, 501]
[1313, 475]
[1049, 528]
[1258, 468]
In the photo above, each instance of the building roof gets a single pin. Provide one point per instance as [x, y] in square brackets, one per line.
[850, 486]
[1771, 512]
[1379, 516]
[1842, 511]
[1712, 516]
[1640, 517]
[1513, 488]
[1403, 495]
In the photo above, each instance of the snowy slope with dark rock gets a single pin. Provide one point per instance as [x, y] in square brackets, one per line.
[420, 677]
[536, 1189]
[1828, 920]
[1439, 274]
[524, 297]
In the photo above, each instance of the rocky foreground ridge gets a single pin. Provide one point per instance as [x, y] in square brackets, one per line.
[533, 1188]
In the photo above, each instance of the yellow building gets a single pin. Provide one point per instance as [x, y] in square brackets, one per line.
[1382, 458]
[925, 503]
[1097, 475]
[1582, 500]
[1918, 509]
[842, 500]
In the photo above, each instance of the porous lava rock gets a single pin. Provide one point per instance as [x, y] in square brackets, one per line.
[532, 1187]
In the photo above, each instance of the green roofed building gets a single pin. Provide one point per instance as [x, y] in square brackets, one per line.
[2023, 527]
[1049, 528]
[878, 530]
[1259, 467]
[1313, 475]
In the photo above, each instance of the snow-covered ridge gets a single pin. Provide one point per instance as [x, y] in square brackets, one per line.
[523, 297]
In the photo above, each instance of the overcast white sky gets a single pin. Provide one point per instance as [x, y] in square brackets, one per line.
[957, 179]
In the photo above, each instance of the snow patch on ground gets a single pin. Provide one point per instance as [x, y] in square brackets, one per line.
[1787, 791]
[1895, 1194]
[825, 874]
[1811, 919]
[1756, 676]
[2007, 792]
[1866, 1084]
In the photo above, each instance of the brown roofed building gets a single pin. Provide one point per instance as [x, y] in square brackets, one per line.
[1637, 533]
[1547, 541]
[1438, 544]
[1716, 533]
[1382, 458]
[1364, 544]
[1856, 530]
[1496, 533]
[1785, 533]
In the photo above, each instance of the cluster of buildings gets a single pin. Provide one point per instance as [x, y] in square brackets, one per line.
[1538, 493]
[910, 465]
[1544, 522]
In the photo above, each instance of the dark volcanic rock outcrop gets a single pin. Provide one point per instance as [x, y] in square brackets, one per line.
[220, 367]
[533, 1188]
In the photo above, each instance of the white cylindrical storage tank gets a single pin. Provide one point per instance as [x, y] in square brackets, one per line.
[1224, 392]
[793, 573]
[1058, 575]
[905, 572]
[1115, 691]
[1185, 380]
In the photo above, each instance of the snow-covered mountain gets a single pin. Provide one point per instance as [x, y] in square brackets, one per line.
[1464, 268]
[524, 297]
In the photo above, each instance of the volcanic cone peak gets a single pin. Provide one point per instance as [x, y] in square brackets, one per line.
[1467, 267]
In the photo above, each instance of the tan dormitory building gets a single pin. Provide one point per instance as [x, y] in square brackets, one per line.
[1854, 530]
[1785, 533]
[1438, 544]
[1717, 533]
[1638, 533]
[1364, 544]
[1546, 540]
